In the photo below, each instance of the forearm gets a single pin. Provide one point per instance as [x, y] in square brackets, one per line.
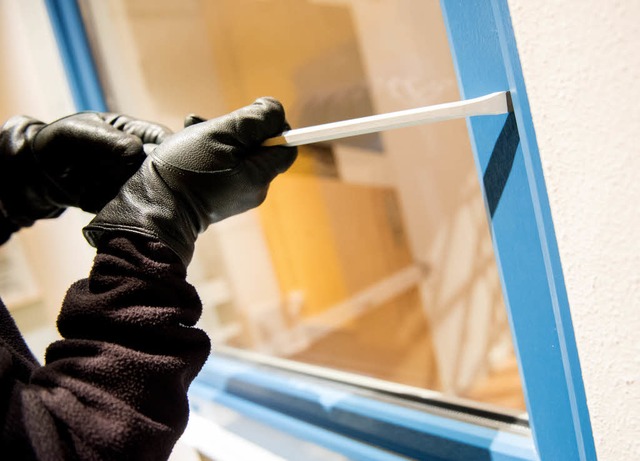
[116, 385]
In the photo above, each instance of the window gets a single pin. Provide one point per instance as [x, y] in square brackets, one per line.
[378, 271]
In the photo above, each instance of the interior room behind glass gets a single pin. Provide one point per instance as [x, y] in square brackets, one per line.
[373, 254]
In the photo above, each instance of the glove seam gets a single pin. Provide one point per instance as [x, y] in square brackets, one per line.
[236, 169]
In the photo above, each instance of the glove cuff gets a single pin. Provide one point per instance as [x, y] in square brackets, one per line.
[146, 206]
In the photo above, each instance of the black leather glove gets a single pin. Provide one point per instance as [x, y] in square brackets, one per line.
[203, 174]
[81, 160]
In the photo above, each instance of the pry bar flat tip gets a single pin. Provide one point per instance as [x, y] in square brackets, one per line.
[491, 104]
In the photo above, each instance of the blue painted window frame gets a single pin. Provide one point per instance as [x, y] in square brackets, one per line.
[508, 163]
[486, 59]
[75, 53]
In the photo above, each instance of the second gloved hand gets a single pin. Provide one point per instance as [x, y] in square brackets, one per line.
[81, 160]
[207, 172]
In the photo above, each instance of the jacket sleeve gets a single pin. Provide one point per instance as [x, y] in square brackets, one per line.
[116, 386]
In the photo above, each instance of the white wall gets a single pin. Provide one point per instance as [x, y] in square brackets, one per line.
[32, 81]
[581, 63]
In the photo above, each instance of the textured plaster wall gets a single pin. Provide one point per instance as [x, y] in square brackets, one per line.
[581, 63]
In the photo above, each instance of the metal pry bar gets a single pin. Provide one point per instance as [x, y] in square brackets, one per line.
[491, 104]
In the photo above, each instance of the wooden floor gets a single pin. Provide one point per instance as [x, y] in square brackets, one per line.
[501, 387]
[393, 342]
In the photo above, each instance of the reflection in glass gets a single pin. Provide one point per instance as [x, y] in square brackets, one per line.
[373, 254]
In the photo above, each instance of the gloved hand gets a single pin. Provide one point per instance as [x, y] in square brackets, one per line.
[81, 160]
[209, 171]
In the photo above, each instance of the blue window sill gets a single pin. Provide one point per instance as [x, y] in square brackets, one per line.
[360, 423]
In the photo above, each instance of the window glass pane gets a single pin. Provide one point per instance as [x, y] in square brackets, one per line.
[372, 255]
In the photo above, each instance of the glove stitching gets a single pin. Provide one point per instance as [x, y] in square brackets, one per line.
[184, 171]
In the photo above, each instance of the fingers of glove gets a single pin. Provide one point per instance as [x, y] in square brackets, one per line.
[148, 132]
[87, 158]
[82, 141]
[248, 126]
[223, 143]
[272, 161]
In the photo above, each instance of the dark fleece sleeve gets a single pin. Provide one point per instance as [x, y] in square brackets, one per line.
[115, 388]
